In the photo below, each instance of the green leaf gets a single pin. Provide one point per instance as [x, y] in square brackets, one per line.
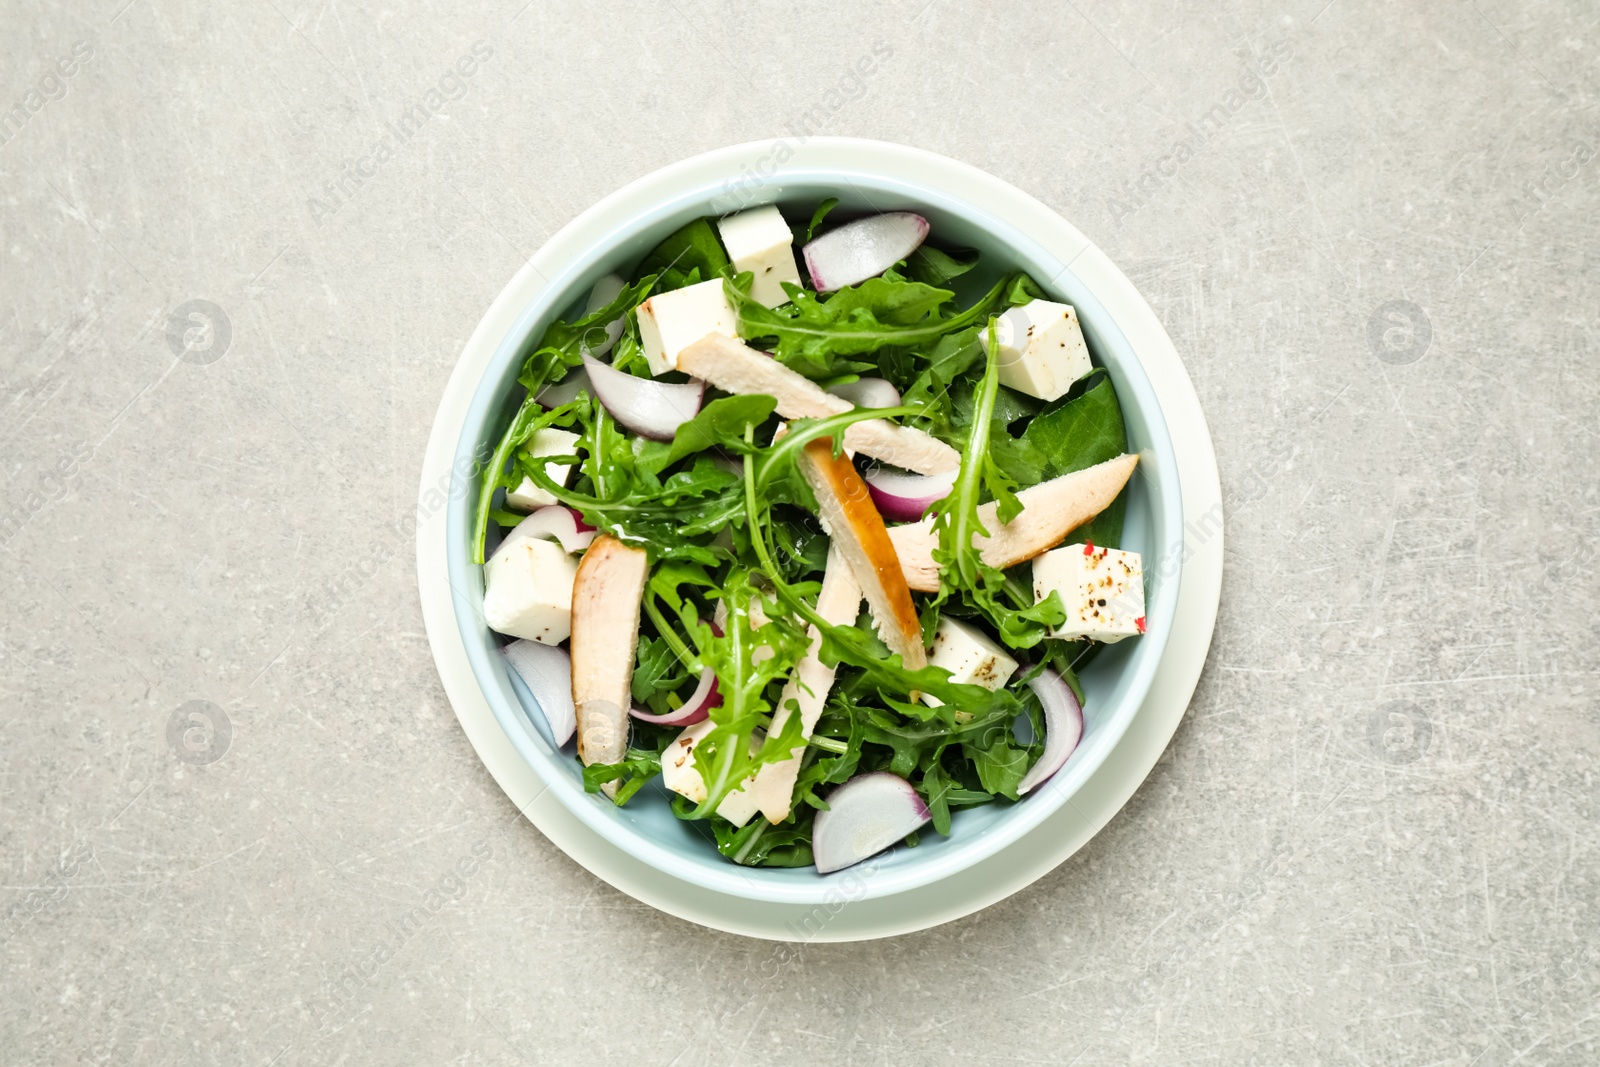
[818, 215]
[720, 424]
[963, 575]
[814, 335]
[758, 843]
[1080, 433]
[690, 254]
[636, 768]
[529, 420]
[1000, 764]
[562, 346]
[929, 264]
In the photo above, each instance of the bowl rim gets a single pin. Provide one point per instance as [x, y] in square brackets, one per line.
[695, 184]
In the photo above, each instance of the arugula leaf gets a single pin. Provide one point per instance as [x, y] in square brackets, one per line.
[529, 420]
[636, 768]
[720, 424]
[758, 843]
[818, 215]
[746, 659]
[562, 346]
[929, 264]
[689, 254]
[813, 335]
[962, 571]
[1000, 764]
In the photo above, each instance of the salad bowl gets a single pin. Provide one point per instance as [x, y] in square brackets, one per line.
[965, 207]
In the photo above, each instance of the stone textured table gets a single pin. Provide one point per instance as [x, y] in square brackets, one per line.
[1371, 229]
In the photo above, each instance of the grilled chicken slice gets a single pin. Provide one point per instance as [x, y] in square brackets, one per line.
[605, 631]
[859, 536]
[1050, 511]
[735, 367]
[838, 603]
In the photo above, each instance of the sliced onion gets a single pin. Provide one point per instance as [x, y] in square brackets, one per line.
[705, 697]
[868, 393]
[1063, 727]
[902, 496]
[566, 390]
[695, 709]
[866, 815]
[647, 407]
[555, 523]
[863, 249]
[547, 672]
[604, 292]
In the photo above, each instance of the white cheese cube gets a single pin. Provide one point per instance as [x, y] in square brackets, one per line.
[760, 241]
[1101, 588]
[678, 774]
[671, 322]
[528, 590]
[1041, 349]
[970, 657]
[528, 495]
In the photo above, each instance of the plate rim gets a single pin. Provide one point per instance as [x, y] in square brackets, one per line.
[1049, 842]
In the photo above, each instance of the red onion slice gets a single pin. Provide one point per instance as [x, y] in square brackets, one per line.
[565, 391]
[705, 697]
[647, 407]
[555, 523]
[863, 249]
[868, 393]
[902, 496]
[866, 815]
[695, 709]
[1063, 727]
[547, 672]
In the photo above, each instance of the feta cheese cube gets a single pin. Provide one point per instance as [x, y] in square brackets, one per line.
[528, 590]
[528, 495]
[670, 322]
[970, 657]
[1041, 349]
[678, 774]
[760, 241]
[1101, 588]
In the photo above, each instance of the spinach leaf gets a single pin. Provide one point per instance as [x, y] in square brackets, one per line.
[690, 254]
[1081, 433]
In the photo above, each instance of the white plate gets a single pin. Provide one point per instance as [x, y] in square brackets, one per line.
[844, 917]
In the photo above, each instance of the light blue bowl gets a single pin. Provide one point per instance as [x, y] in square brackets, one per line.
[1115, 683]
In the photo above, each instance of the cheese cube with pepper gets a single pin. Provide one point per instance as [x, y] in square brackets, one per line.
[1041, 349]
[760, 241]
[969, 656]
[528, 590]
[1101, 588]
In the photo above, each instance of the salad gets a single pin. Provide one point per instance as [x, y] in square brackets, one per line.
[797, 547]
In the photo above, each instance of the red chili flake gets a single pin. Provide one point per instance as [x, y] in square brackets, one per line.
[1088, 549]
[1139, 622]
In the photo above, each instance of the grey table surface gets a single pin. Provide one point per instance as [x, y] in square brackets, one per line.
[1370, 230]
